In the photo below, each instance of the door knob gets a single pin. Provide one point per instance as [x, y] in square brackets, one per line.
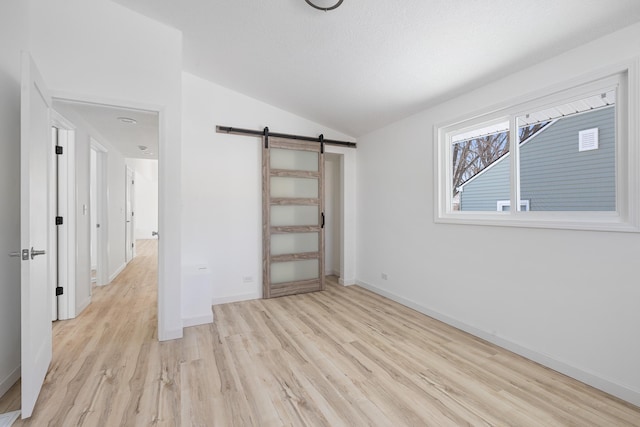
[154, 233]
[35, 253]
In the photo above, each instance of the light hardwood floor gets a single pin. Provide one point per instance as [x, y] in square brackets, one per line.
[343, 357]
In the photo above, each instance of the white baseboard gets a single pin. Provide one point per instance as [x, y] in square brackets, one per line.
[197, 320]
[347, 282]
[118, 271]
[7, 420]
[621, 391]
[9, 381]
[236, 298]
[170, 335]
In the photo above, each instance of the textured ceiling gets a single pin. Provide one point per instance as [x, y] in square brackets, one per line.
[371, 62]
[125, 137]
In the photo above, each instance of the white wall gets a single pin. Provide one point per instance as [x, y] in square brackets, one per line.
[568, 299]
[116, 193]
[146, 196]
[332, 211]
[96, 50]
[13, 38]
[222, 196]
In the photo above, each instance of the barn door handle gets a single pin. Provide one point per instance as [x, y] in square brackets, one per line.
[322, 215]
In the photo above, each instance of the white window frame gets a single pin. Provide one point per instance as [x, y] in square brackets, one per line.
[625, 78]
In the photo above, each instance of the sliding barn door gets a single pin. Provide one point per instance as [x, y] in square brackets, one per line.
[293, 217]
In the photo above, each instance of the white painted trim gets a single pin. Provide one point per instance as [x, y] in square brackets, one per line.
[507, 203]
[68, 241]
[52, 239]
[169, 263]
[619, 390]
[197, 320]
[118, 271]
[129, 228]
[169, 335]
[347, 282]
[348, 206]
[236, 298]
[10, 380]
[7, 420]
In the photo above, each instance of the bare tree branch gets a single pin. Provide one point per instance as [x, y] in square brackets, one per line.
[472, 156]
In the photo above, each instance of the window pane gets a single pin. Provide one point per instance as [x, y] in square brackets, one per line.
[294, 187]
[567, 156]
[480, 167]
[287, 215]
[293, 271]
[294, 243]
[294, 159]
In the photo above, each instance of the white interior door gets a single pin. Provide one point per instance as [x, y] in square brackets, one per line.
[35, 217]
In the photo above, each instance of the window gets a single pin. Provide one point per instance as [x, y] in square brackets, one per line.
[568, 159]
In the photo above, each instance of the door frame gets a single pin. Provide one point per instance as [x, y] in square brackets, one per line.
[348, 212]
[129, 226]
[168, 266]
[66, 195]
[102, 201]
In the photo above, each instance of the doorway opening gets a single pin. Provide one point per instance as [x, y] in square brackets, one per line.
[113, 144]
[333, 214]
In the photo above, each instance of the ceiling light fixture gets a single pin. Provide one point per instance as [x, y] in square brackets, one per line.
[324, 8]
[128, 120]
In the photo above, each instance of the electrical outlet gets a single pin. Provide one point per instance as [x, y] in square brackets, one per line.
[247, 279]
[384, 276]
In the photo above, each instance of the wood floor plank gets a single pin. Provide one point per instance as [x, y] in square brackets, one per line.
[344, 356]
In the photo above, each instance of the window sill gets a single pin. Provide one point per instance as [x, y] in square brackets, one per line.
[600, 221]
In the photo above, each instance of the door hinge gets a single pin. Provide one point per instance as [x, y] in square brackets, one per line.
[321, 139]
[132, 245]
[58, 149]
[59, 220]
[59, 290]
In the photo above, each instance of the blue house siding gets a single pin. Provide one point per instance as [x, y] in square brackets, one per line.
[482, 193]
[554, 175]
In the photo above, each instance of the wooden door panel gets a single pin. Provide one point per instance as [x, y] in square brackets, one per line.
[293, 217]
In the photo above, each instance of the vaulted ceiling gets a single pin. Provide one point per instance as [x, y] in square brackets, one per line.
[371, 62]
